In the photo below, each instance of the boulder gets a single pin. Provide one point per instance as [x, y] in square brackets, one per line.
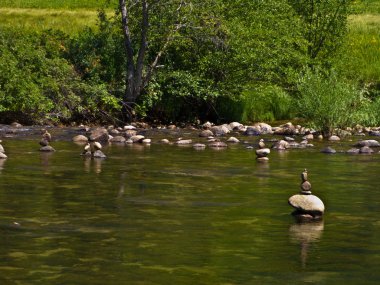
[137, 138]
[262, 152]
[235, 126]
[206, 133]
[281, 145]
[353, 151]
[118, 139]
[99, 134]
[366, 150]
[80, 139]
[252, 131]
[233, 140]
[334, 138]
[220, 130]
[308, 204]
[264, 128]
[369, 143]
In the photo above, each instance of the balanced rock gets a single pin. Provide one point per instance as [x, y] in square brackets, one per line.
[2, 149]
[306, 205]
[47, 148]
[80, 139]
[3, 155]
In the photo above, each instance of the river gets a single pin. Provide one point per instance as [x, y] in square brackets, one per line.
[164, 214]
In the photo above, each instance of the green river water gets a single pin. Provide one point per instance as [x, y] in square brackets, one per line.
[163, 214]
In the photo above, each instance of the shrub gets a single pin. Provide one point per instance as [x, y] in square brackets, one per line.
[266, 103]
[328, 102]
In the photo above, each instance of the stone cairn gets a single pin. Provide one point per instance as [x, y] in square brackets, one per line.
[2, 152]
[307, 206]
[262, 152]
[45, 140]
[93, 149]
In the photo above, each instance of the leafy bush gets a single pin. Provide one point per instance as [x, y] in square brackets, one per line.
[266, 103]
[328, 102]
[36, 80]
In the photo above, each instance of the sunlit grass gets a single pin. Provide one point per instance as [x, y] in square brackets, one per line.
[67, 21]
[58, 4]
[362, 48]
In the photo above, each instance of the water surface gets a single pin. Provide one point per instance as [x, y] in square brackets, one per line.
[164, 214]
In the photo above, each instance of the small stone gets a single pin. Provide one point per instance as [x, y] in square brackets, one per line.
[353, 151]
[306, 187]
[328, 150]
[146, 141]
[184, 142]
[218, 144]
[206, 133]
[165, 141]
[137, 138]
[233, 140]
[334, 138]
[3, 155]
[99, 154]
[47, 148]
[366, 150]
[263, 152]
[199, 146]
[118, 139]
[129, 127]
[262, 159]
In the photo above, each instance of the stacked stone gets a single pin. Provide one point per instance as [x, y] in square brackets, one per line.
[2, 152]
[44, 142]
[262, 152]
[93, 149]
[307, 206]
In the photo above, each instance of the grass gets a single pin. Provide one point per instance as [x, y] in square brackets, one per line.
[361, 53]
[58, 4]
[69, 16]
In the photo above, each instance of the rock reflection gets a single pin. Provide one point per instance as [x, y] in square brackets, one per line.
[2, 162]
[45, 157]
[95, 163]
[305, 234]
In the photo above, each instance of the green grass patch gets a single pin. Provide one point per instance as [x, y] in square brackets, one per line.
[59, 4]
[360, 57]
[70, 22]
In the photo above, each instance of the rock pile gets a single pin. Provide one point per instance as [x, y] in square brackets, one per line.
[307, 206]
[45, 140]
[262, 152]
[2, 152]
[93, 149]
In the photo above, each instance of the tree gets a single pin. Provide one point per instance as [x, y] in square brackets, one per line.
[138, 71]
[325, 24]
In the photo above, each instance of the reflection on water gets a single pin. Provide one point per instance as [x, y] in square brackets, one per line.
[92, 164]
[45, 157]
[306, 234]
[171, 215]
[2, 162]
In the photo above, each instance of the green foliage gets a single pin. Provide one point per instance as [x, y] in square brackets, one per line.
[177, 96]
[266, 103]
[35, 80]
[324, 24]
[328, 102]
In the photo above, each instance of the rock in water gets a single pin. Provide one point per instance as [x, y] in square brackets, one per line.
[306, 205]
